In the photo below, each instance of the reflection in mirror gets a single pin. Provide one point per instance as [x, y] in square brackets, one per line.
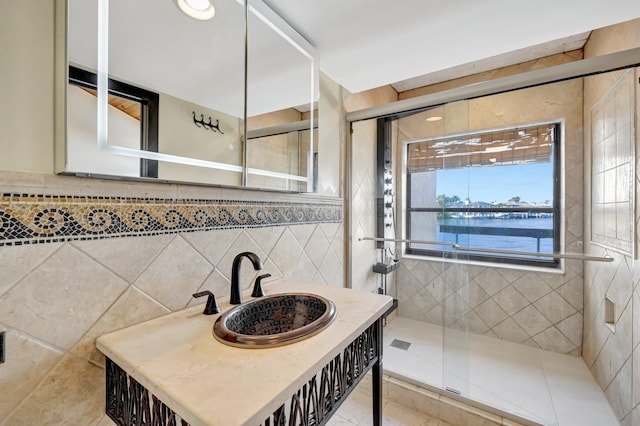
[197, 72]
[282, 91]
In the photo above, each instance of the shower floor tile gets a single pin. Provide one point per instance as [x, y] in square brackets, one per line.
[541, 386]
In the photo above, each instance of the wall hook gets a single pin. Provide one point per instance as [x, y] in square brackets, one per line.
[207, 126]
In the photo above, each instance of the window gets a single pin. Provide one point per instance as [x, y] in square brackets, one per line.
[496, 189]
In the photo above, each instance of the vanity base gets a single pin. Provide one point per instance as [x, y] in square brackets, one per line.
[128, 403]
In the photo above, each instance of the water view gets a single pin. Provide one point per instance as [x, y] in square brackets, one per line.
[510, 232]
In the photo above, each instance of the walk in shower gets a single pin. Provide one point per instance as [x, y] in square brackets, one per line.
[481, 208]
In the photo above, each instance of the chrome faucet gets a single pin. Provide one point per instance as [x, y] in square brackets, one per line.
[236, 295]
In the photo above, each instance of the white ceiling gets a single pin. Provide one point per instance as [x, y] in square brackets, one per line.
[363, 44]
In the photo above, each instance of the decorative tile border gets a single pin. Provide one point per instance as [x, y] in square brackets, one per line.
[35, 219]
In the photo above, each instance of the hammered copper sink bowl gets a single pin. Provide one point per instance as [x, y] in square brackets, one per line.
[275, 320]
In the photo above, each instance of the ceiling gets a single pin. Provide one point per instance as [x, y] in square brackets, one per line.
[363, 44]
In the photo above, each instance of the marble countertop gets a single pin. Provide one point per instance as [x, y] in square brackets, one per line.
[207, 382]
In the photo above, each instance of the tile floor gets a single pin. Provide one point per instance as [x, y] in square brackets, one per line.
[357, 410]
[545, 387]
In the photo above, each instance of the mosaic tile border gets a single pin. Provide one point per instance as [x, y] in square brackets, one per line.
[37, 219]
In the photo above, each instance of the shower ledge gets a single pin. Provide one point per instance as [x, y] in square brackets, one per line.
[173, 364]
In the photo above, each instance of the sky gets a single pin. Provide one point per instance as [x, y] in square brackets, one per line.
[530, 182]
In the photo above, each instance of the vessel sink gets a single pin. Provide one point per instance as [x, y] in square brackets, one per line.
[274, 320]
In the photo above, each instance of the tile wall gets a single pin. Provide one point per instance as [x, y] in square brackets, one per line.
[57, 297]
[363, 190]
[537, 308]
[612, 351]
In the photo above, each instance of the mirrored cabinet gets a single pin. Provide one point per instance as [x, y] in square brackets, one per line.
[227, 96]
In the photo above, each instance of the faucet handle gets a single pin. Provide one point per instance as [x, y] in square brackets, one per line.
[257, 287]
[212, 306]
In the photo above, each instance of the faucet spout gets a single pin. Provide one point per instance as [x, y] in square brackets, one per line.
[236, 295]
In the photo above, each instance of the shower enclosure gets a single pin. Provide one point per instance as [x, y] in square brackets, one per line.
[482, 192]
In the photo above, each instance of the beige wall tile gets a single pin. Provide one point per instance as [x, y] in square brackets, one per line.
[127, 257]
[17, 261]
[26, 363]
[71, 394]
[174, 274]
[213, 244]
[131, 308]
[69, 288]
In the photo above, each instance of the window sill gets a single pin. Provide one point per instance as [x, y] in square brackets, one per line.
[559, 270]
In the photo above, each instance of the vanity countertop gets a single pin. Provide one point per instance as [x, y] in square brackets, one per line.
[207, 382]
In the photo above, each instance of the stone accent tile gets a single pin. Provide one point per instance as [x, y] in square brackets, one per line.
[131, 308]
[302, 233]
[174, 275]
[27, 362]
[572, 328]
[72, 394]
[511, 331]
[532, 287]
[553, 340]
[241, 244]
[491, 281]
[491, 313]
[62, 298]
[212, 245]
[127, 257]
[18, 261]
[531, 320]
[510, 300]
[554, 307]
[317, 246]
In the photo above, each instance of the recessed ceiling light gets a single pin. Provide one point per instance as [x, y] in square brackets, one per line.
[198, 9]
[434, 118]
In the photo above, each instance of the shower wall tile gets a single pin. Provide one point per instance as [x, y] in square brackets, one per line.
[610, 355]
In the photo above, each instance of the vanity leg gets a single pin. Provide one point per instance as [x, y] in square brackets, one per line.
[376, 379]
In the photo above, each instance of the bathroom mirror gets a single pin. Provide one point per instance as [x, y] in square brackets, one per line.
[155, 94]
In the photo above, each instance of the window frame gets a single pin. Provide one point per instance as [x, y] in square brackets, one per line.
[149, 112]
[556, 210]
